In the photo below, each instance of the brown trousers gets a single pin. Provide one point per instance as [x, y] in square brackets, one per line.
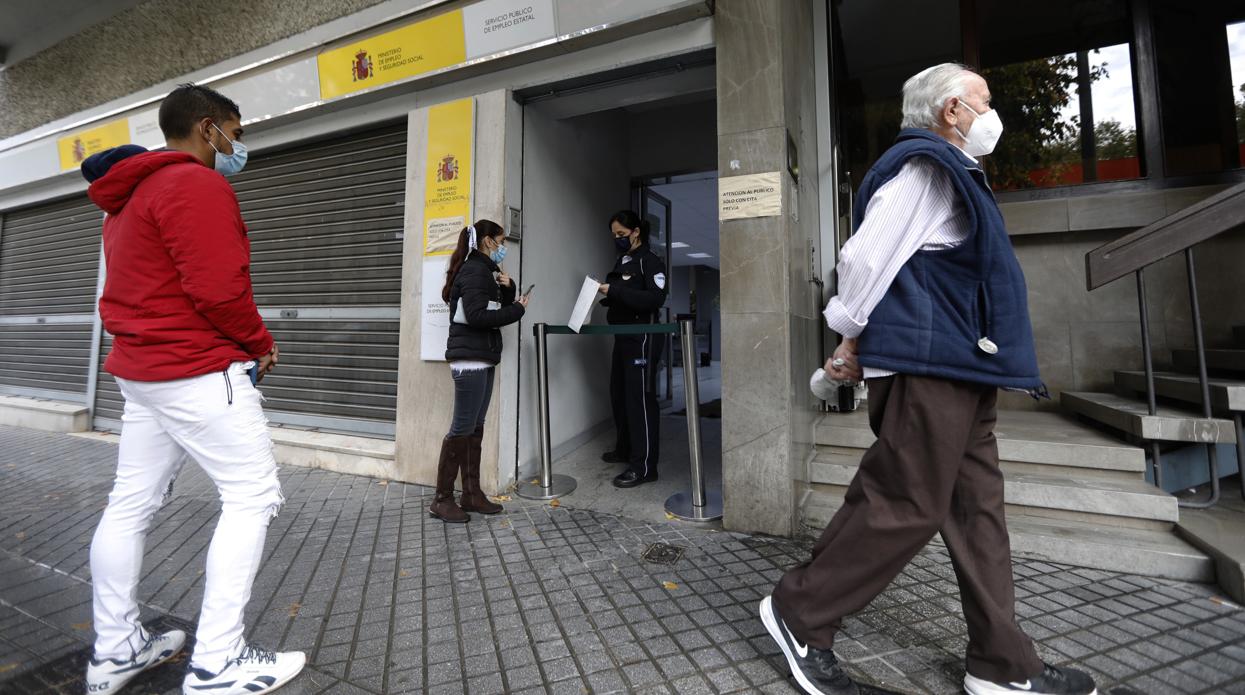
[934, 469]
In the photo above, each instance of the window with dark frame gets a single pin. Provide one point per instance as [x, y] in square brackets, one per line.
[874, 54]
[1197, 102]
[1236, 58]
[1060, 74]
[1076, 82]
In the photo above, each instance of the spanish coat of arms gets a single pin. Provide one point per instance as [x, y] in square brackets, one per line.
[447, 170]
[361, 69]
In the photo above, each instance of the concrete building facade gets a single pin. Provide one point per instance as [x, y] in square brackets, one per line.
[578, 109]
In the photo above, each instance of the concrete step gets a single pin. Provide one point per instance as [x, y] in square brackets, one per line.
[44, 414]
[1135, 499]
[1225, 394]
[828, 458]
[1024, 437]
[1118, 502]
[833, 469]
[1232, 361]
[1136, 551]
[335, 452]
[1150, 552]
[1220, 532]
[1133, 417]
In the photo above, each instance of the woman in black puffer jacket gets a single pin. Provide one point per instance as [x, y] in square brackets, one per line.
[482, 299]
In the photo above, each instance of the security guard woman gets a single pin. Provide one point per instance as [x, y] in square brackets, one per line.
[634, 290]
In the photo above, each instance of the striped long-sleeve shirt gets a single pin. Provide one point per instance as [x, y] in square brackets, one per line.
[918, 209]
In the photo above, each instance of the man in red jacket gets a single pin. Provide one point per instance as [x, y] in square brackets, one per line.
[186, 332]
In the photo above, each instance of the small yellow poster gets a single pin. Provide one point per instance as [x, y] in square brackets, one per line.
[447, 175]
[405, 52]
[77, 147]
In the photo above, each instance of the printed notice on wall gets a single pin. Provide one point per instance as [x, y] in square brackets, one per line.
[75, 148]
[753, 195]
[145, 129]
[447, 175]
[434, 324]
[494, 26]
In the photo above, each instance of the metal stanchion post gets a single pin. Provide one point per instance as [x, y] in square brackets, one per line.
[700, 505]
[548, 486]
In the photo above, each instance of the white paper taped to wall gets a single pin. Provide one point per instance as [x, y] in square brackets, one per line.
[583, 305]
[751, 195]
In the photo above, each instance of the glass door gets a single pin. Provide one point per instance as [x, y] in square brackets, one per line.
[657, 209]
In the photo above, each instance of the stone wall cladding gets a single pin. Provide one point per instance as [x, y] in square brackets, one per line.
[146, 45]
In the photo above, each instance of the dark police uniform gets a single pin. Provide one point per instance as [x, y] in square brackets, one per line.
[637, 291]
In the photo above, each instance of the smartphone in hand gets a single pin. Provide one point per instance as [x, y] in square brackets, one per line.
[528, 293]
[253, 372]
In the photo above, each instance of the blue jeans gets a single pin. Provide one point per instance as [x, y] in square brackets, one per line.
[473, 389]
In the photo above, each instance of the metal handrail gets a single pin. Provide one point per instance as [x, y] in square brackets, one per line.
[1132, 254]
[1177, 232]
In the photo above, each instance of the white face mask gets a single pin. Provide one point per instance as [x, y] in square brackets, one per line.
[983, 134]
[229, 164]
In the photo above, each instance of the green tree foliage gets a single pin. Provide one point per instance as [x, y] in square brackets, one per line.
[1030, 98]
[1240, 117]
[1111, 141]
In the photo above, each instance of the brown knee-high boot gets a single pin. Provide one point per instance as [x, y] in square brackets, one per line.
[473, 498]
[454, 455]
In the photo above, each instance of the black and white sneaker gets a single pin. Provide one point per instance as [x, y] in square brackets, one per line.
[1052, 681]
[816, 670]
[110, 675]
[252, 672]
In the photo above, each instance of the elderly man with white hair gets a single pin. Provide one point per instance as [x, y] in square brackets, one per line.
[933, 312]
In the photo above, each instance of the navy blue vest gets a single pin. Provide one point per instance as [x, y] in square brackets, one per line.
[959, 313]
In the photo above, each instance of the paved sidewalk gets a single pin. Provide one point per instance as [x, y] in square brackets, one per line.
[541, 599]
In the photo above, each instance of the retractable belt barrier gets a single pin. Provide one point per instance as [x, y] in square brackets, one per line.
[699, 504]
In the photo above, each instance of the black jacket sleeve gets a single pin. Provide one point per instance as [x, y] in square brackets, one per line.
[474, 284]
[651, 296]
[508, 293]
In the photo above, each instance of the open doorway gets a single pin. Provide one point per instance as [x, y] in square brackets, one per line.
[646, 142]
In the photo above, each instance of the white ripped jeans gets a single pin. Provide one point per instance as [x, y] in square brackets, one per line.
[216, 419]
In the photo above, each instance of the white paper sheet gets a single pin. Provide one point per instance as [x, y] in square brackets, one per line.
[434, 327]
[583, 305]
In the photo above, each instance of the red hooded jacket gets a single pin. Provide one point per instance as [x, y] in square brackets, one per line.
[177, 298]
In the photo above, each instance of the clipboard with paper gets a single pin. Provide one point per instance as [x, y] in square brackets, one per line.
[583, 305]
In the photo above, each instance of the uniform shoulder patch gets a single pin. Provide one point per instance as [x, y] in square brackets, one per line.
[660, 280]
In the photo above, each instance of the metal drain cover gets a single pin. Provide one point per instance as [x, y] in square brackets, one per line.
[662, 554]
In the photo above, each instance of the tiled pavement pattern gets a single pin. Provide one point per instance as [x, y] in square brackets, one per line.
[543, 599]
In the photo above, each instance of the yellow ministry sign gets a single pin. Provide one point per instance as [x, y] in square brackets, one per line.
[447, 175]
[411, 50]
[77, 147]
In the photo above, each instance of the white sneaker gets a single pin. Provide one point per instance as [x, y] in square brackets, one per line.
[110, 675]
[252, 672]
[1053, 680]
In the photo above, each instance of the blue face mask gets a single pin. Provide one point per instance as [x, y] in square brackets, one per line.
[498, 254]
[622, 243]
[229, 164]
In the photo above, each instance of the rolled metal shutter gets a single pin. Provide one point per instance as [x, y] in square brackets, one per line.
[49, 266]
[325, 221]
[109, 403]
